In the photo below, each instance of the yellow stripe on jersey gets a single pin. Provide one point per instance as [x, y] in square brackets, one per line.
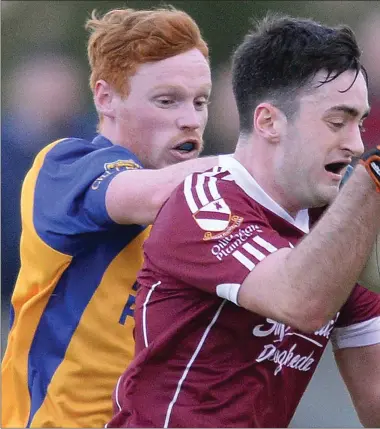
[72, 334]
[27, 316]
[101, 352]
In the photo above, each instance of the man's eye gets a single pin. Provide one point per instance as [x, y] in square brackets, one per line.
[165, 102]
[337, 125]
[201, 104]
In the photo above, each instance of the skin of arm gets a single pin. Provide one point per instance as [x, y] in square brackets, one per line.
[136, 196]
[360, 370]
[306, 286]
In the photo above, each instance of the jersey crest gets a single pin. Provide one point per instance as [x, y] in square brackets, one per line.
[121, 164]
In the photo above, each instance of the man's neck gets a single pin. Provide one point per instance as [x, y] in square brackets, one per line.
[259, 164]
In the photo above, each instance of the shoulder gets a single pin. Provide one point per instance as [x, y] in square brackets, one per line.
[209, 191]
[216, 184]
[69, 151]
[210, 202]
[64, 150]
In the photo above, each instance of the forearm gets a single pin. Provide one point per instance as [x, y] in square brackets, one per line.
[306, 286]
[136, 196]
[326, 264]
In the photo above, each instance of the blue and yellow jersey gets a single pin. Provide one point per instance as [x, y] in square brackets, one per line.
[72, 321]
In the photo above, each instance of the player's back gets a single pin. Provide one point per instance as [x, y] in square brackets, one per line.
[72, 306]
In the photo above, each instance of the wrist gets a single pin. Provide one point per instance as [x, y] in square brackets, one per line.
[365, 177]
[371, 162]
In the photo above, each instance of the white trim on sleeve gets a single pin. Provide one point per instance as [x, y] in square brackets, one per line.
[360, 334]
[228, 291]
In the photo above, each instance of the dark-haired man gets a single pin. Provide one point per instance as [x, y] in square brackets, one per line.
[237, 299]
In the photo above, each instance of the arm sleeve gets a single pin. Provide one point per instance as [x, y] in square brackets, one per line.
[359, 321]
[70, 189]
[210, 235]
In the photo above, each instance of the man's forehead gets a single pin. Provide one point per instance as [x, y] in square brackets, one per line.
[346, 89]
[182, 63]
[184, 72]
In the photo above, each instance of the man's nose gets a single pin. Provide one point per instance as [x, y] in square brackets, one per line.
[189, 118]
[355, 144]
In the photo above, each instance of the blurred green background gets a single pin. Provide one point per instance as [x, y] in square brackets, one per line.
[29, 26]
[45, 95]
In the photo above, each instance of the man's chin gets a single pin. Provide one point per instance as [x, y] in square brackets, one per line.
[178, 156]
[328, 196]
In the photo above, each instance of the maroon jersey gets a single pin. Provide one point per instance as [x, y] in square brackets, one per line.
[201, 360]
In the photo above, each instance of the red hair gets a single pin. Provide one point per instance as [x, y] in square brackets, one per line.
[125, 38]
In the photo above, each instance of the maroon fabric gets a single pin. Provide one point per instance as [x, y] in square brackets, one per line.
[201, 360]
[362, 305]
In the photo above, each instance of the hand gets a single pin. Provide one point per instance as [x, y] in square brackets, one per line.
[371, 161]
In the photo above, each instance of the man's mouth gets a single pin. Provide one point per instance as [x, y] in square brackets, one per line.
[187, 146]
[336, 167]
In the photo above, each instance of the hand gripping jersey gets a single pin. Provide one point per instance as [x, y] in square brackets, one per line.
[201, 360]
[72, 306]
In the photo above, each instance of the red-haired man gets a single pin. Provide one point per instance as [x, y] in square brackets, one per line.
[85, 210]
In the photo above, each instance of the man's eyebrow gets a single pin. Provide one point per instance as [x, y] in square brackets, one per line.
[167, 87]
[171, 87]
[349, 110]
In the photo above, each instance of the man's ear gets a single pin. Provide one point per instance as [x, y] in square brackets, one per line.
[269, 122]
[104, 97]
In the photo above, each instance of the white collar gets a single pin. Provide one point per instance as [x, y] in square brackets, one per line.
[249, 185]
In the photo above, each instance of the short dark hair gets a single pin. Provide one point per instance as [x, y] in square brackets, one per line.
[282, 55]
